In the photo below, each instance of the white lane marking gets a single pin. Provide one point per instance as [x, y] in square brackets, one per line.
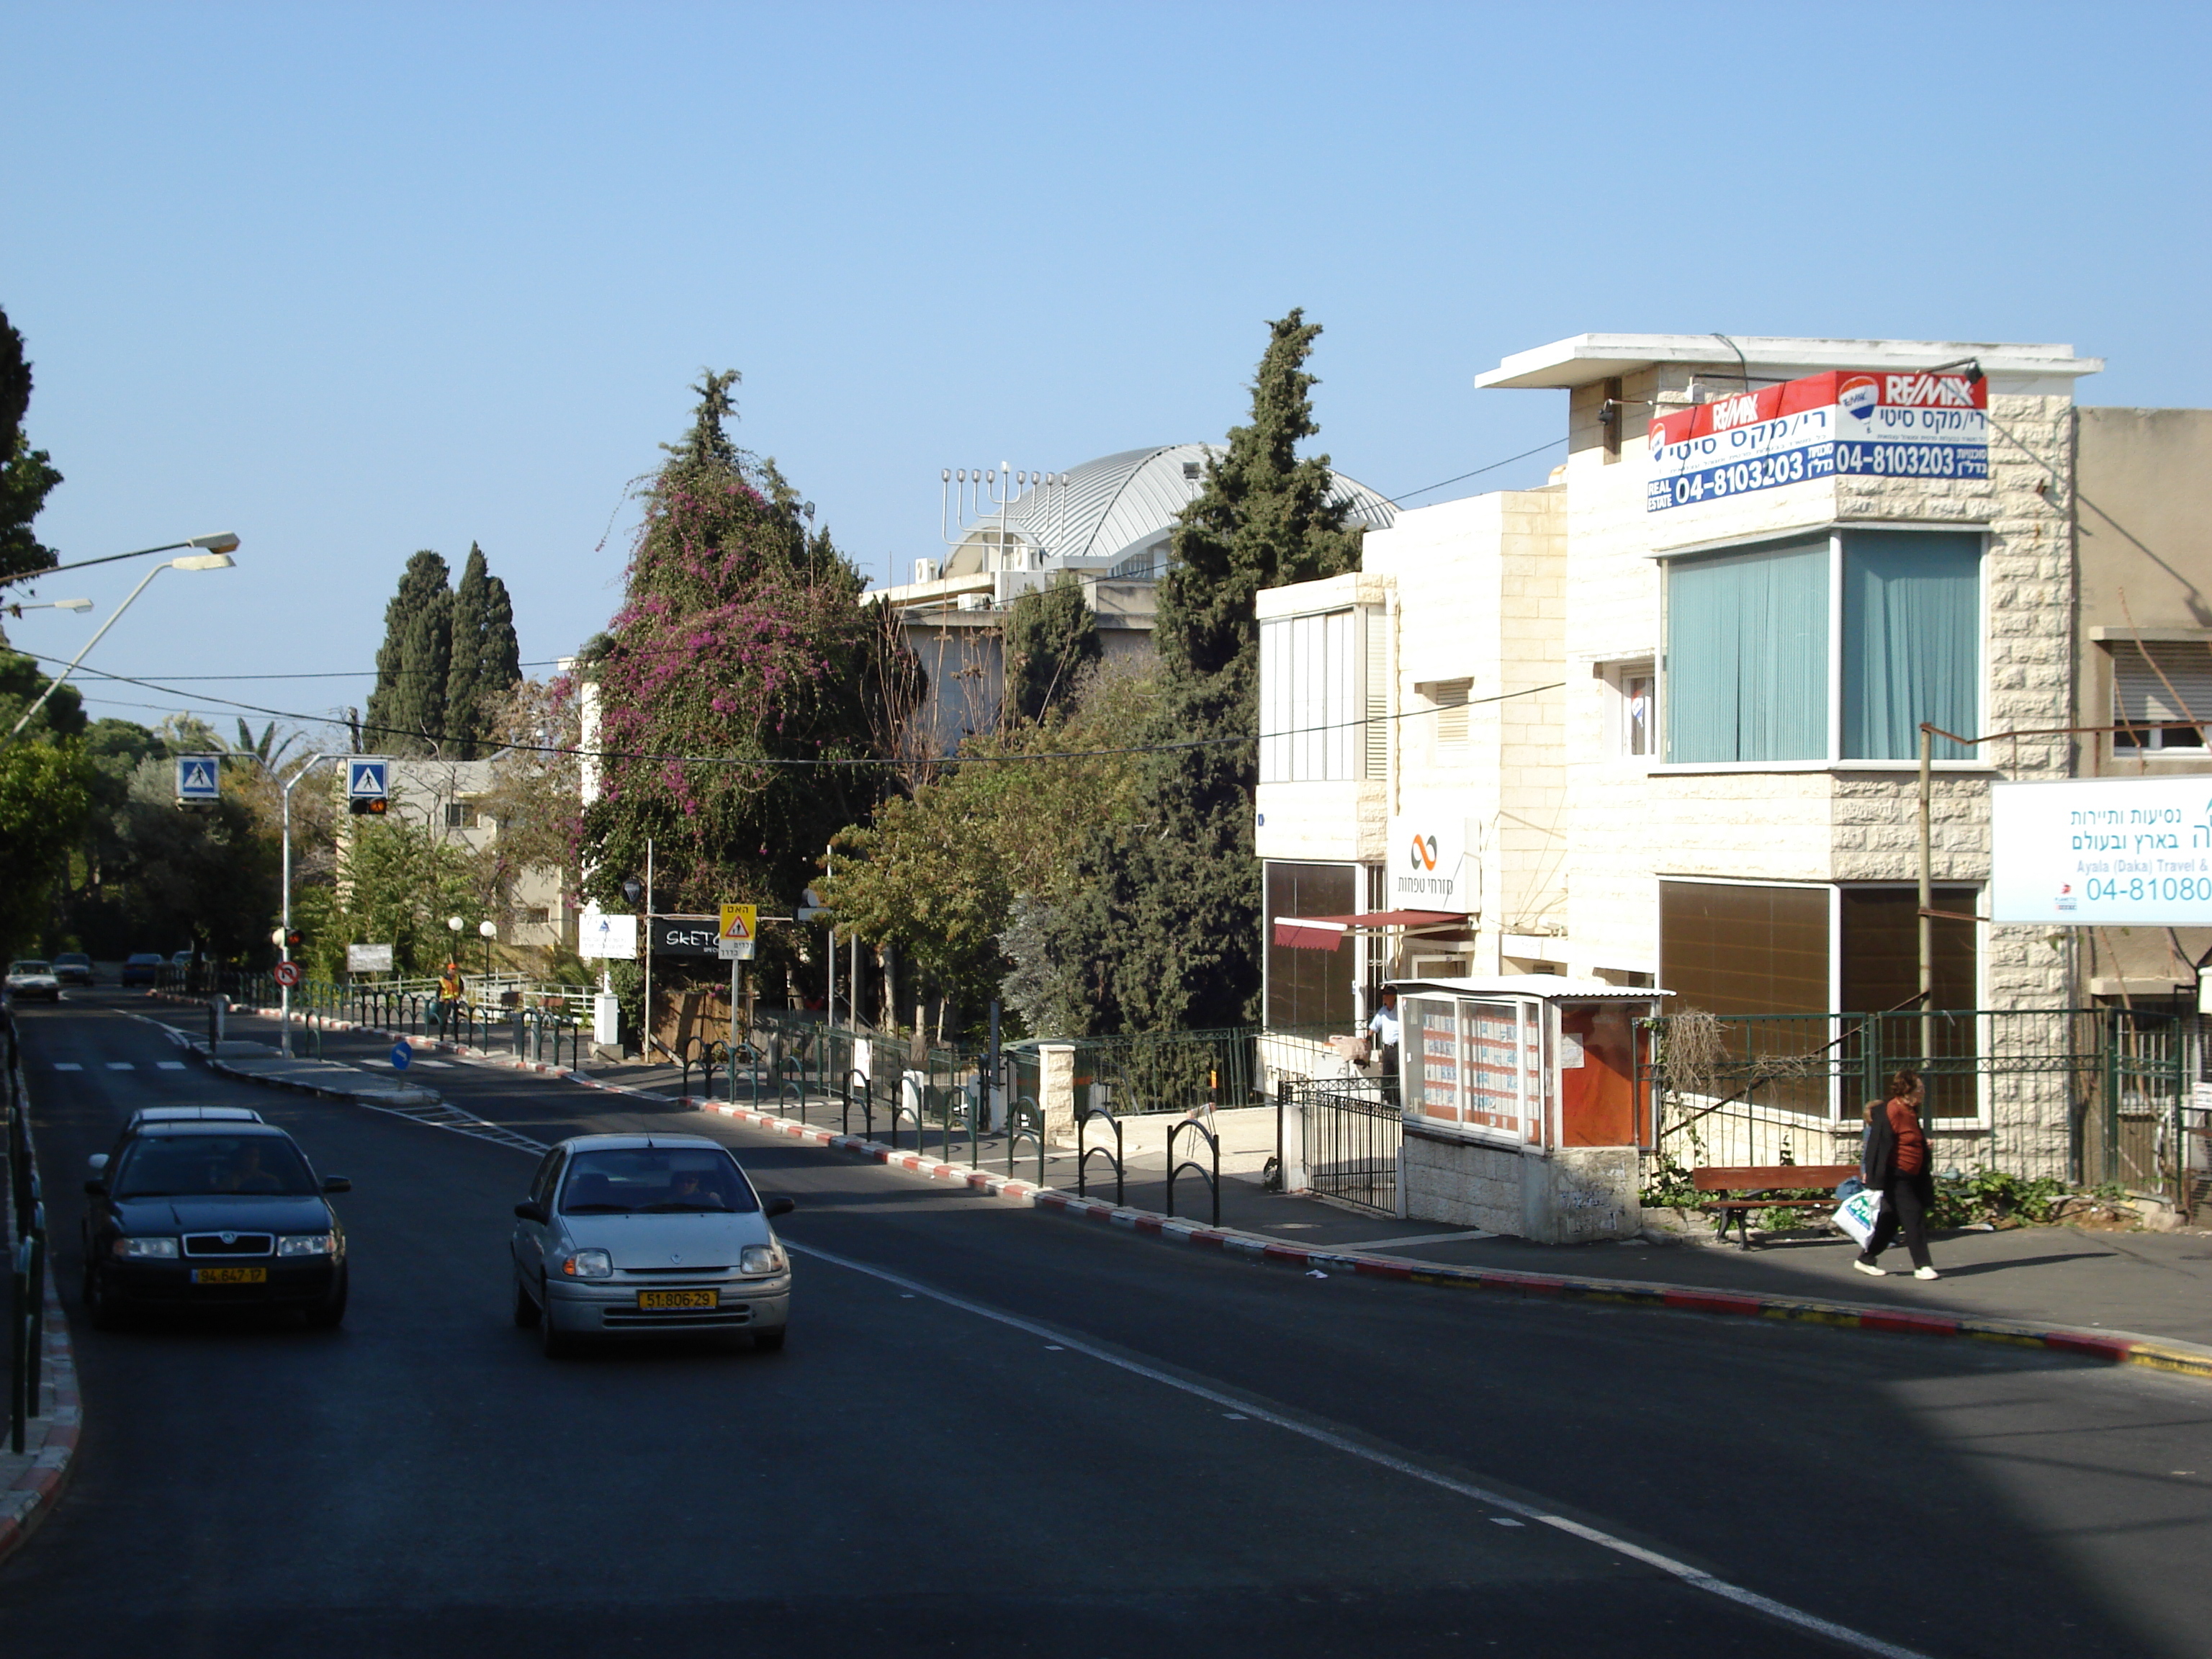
[169, 1065]
[1695, 1578]
[67, 1066]
[120, 1066]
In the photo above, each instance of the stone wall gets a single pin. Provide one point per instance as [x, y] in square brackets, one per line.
[1572, 1196]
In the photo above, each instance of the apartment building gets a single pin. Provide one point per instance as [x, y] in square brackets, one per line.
[1658, 721]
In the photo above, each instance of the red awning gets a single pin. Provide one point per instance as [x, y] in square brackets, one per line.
[1327, 932]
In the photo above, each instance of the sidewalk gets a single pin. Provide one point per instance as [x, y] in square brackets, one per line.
[31, 1479]
[2144, 1286]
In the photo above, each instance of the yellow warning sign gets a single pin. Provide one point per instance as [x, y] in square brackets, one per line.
[740, 926]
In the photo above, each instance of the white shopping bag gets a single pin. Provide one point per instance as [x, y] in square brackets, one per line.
[1858, 1214]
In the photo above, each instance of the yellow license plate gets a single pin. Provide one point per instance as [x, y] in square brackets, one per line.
[679, 1299]
[230, 1275]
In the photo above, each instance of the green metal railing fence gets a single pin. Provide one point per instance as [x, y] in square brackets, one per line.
[28, 1259]
[2095, 1095]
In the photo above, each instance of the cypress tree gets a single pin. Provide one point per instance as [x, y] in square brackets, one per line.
[407, 710]
[25, 477]
[466, 695]
[487, 659]
[1051, 636]
[1166, 929]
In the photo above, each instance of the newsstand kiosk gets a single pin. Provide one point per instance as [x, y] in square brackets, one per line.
[1522, 1112]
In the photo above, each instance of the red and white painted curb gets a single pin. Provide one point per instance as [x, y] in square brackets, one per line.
[49, 1441]
[2184, 1359]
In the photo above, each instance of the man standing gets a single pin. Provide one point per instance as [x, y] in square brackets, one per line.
[449, 997]
[1383, 1041]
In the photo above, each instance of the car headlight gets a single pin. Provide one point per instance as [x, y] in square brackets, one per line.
[139, 1249]
[307, 1245]
[760, 1259]
[589, 1264]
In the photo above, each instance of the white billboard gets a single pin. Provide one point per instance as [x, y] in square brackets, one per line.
[2108, 852]
[368, 958]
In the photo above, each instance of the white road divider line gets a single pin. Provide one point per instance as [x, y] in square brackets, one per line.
[1695, 1578]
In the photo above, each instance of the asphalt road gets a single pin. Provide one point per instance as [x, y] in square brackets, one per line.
[1000, 1432]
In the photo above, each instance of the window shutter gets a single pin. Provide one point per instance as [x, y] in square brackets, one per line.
[1450, 698]
[1376, 711]
[2140, 694]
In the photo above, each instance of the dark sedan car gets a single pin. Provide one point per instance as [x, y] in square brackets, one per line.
[73, 968]
[141, 968]
[212, 1214]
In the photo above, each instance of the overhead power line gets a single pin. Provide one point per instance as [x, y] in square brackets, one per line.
[841, 761]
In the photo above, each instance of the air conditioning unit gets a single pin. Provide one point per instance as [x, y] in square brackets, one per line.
[925, 570]
[982, 602]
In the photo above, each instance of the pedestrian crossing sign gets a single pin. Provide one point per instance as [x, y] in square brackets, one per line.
[367, 777]
[200, 778]
[740, 928]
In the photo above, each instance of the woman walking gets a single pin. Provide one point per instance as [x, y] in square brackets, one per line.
[1895, 1164]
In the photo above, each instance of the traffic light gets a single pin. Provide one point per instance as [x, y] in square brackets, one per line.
[372, 806]
[294, 939]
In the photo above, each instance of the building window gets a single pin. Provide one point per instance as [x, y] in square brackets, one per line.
[1731, 949]
[1309, 988]
[460, 814]
[1913, 608]
[1754, 644]
[536, 915]
[1448, 730]
[1632, 696]
[2156, 682]
[1747, 650]
[1309, 699]
[1881, 949]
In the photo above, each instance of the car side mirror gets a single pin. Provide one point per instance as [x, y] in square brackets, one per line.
[96, 1188]
[531, 1210]
[97, 1162]
[778, 1206]
[337, 1184]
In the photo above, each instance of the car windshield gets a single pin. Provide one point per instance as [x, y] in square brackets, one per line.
[200, 1166]
[649, 1180]
[76, 961]
[144, 957]
[27, 967]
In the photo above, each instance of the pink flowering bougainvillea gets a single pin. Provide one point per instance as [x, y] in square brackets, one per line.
[742, 645]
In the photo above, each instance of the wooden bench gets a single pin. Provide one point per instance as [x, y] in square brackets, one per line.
[1753, 1186]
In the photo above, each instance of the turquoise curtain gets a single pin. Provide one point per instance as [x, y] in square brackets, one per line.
[1747, 655]
[1911, 640]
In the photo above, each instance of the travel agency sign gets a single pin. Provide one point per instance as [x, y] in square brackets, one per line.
[1915, 425]
[2117, 852]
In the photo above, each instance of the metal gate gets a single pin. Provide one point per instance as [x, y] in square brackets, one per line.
[1350, 1140]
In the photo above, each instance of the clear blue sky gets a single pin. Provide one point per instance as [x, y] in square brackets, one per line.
[353, 281]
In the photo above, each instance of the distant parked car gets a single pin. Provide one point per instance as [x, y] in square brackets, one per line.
[73, 968]
[182, 959]
[142, 967]
[29, 979]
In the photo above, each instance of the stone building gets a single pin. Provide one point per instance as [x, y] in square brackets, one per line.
[1658, 719]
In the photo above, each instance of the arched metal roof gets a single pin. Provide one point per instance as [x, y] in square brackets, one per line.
[1119, 509]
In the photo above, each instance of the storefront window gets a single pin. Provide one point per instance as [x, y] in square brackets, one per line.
[1309, 988]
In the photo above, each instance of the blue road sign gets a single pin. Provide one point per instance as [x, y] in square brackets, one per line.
[200, 777]
[402, 1056]
[368, 778]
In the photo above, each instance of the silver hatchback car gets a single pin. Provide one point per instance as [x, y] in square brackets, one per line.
[648, 1235]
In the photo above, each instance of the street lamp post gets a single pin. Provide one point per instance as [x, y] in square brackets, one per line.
[488, 930]
[216, 561]
[17, 607]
